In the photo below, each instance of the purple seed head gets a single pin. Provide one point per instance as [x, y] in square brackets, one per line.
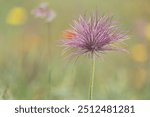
[92, 36]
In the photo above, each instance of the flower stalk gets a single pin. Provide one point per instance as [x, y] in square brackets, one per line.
[92, 79]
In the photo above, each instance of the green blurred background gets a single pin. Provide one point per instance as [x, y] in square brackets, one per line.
[26, 52]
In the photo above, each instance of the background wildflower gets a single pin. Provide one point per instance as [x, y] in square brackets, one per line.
[17, 16]
[43, 11]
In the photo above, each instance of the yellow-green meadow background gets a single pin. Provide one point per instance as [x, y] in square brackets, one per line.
[25, 57]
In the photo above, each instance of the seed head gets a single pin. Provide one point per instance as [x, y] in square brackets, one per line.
[92, 36]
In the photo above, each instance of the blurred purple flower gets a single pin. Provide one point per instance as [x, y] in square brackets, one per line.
[43, 11]
[93, 36]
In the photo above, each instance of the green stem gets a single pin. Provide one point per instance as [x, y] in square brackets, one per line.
[48, 42]
[92, 79]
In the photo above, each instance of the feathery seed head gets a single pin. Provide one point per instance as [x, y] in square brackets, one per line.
[93, 36]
